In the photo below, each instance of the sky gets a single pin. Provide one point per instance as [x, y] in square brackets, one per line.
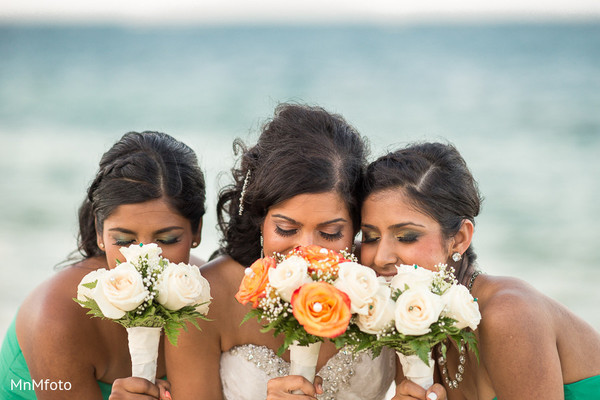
[231, 11]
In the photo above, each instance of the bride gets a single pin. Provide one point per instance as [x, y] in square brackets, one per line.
[297, 186]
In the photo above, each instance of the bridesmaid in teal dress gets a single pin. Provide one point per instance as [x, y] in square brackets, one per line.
[149, 188]
[419, 208]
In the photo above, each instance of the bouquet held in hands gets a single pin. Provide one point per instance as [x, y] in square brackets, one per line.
[310, 294]
[420, 309]
[146, 294]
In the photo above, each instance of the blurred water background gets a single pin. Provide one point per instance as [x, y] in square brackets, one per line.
[521, 101]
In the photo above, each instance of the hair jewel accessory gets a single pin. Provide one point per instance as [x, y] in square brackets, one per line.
[246, 180]
[456, 257]
[262, 252]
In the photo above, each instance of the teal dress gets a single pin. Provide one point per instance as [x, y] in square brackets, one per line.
[15, 380]
[585, 389]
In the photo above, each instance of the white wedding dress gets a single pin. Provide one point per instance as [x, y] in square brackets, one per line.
[246, 369]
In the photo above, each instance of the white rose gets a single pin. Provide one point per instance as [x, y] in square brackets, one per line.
[416, 310]
[288, 276]
[411, 276]
[85, 293]
[182, 285]
[381, 312]
[360, 283]
[119, 290]
[461, 306]
[133, 253]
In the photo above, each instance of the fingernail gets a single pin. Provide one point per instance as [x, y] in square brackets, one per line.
[168, 395]
[432, 396]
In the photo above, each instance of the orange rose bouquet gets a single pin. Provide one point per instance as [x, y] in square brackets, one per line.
[308, 295]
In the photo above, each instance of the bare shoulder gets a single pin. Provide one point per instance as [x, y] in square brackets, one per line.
[510, 305]
[49, 310]
[224, 275]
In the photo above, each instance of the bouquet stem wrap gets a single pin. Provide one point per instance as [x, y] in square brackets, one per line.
[303, 361]
[143, 348]
[416, 370]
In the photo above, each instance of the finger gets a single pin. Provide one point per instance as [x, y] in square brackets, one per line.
[436, 392]
[319, 384]
[165, 389]
[124, 386]
[287, 385]
[411, 389]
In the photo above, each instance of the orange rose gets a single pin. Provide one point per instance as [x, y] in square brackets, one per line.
[321, 309]
[320, 258]
[256, 278]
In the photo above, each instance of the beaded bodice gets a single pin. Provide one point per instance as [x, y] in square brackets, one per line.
[246, 369]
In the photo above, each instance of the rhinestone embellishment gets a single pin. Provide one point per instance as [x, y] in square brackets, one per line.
[334, 378]
[458, 377]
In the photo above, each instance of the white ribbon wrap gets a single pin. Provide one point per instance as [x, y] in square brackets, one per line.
[303, 361]
[416, 370]
[143, 348]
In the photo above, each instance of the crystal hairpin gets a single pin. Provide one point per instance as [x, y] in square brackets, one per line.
[246, 180]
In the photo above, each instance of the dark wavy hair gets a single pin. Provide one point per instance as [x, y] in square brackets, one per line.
[141, 167]
[302, 149]
[436, 179]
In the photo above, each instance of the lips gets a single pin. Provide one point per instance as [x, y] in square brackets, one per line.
[387, 275]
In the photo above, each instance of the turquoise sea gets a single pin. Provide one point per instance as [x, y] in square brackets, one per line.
[520, 100]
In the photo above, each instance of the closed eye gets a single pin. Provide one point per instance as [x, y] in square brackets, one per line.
[332, 236]
[285, 232]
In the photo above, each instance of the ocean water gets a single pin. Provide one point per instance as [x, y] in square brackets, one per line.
[520, 101]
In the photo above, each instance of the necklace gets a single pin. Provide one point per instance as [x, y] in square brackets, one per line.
[458, 377]
[472, 280]
[462, 358]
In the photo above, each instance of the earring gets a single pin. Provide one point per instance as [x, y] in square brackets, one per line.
[101, 245]
[262, 253]
[456, 257]
[194, 244]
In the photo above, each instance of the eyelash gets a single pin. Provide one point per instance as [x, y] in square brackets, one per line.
[367, 239]
[332, 237]
[284, 232]
[128, 242]
[327, 236]
[402, 239]
[407, 238]
[123, 242]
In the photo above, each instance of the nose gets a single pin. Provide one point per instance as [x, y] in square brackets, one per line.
[385, 256]
[305, 239]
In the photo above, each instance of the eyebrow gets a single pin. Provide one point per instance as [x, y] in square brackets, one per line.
[395, 226]
[293, 221]
[130, 232]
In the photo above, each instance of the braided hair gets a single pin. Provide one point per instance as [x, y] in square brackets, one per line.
[138, 168]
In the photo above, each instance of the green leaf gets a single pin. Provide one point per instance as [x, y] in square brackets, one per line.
[90, 285]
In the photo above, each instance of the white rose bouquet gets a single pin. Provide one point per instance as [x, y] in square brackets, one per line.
[420, 309]
[146, 294]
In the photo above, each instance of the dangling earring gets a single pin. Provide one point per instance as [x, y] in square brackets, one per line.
[456, 257]
[262, 253]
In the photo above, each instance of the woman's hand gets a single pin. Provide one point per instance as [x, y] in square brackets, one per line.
[282, 388]
[140, 389]
[408, 390]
